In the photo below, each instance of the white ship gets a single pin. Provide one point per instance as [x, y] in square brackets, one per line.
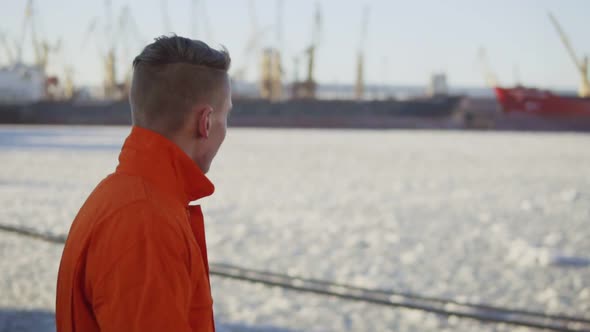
[22, 84]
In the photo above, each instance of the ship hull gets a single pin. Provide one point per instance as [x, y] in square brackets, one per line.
[416, 113]
[541, 102]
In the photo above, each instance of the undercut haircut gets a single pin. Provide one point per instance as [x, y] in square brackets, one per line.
[171, 75]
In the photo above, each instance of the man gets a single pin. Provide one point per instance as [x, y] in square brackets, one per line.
[135, 258]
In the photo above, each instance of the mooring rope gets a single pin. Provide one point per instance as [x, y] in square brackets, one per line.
[441, 306]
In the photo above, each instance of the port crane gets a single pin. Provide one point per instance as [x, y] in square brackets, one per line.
[116, 35]
[581, 64]
[359, 89]
[489, 76]
[253, 43]
[307, 88]
[7, 48]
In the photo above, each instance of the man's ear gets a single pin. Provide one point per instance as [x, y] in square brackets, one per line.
[204, 121]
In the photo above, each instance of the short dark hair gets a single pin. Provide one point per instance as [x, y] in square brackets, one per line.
[172, 74]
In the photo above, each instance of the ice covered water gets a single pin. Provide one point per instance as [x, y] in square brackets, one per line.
[500, 218]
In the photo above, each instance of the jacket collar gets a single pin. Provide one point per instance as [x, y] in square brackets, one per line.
[158, 160]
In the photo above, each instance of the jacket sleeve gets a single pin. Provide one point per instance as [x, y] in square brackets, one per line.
[148, 286]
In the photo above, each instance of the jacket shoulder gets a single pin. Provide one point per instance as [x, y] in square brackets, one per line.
[111, 195]
[117, 191]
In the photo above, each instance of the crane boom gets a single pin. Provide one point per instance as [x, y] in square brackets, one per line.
[581, 65]
[39, 48]
[317, 25]
[315, 41]
[565, 41]
[89, 31]
[192, 19]
[360, 81]
[205, 17]
[165, 16]
[6, 47]
[364, 27]
[490, 77]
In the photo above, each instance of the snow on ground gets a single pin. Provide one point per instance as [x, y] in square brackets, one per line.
[500, 218]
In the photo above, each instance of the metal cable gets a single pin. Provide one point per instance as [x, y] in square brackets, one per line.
[441, 306]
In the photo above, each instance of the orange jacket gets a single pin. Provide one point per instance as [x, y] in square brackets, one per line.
[136, 258]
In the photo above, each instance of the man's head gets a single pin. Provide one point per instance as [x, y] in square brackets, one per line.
[181, 90]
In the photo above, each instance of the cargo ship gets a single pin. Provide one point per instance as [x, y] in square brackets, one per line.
[28, 95]
[541, 102]
[432, 112]
[25, 99]
[532, 108]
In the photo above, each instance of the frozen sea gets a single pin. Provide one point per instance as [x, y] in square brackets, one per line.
[498, 218]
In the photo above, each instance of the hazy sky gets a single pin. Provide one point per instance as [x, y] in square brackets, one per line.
[407, 40]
